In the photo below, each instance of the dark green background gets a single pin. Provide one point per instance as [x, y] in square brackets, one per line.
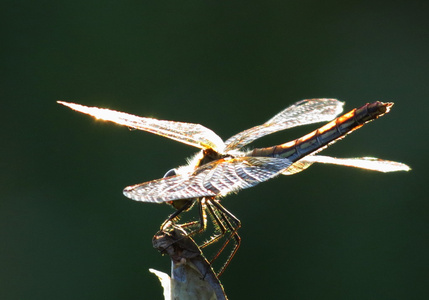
[66, 230]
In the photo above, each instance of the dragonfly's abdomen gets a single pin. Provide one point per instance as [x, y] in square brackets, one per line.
[327, 134]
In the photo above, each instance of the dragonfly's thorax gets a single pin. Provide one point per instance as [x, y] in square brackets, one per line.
[209, 155]
[202, 158]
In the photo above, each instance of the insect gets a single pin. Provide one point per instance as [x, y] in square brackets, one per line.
[222, 167]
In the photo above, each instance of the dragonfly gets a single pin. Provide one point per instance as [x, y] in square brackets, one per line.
[224, 167]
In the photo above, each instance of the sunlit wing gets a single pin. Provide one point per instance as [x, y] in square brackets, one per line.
[368, 163]
[217, 178]
[192, 134]
[301, 113]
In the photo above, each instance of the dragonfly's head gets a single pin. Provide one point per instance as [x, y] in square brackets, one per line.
[170, 173]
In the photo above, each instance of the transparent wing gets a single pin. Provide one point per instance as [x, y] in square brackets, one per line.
[213, 179]
[192, 134]
[301, 113]
[368, 163]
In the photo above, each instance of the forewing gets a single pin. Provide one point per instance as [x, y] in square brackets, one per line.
[213, 179]
[368, 163]
[301, 113]
[188, 133]
[168, 189]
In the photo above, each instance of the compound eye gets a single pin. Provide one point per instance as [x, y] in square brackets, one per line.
[171, 172]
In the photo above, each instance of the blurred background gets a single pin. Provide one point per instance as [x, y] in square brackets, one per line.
[66, 230]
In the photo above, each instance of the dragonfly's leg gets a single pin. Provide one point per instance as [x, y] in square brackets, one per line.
[202, 222]
[202, 213]
[226, 224]
[175, 215]
[189, 227]
[220, 228]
